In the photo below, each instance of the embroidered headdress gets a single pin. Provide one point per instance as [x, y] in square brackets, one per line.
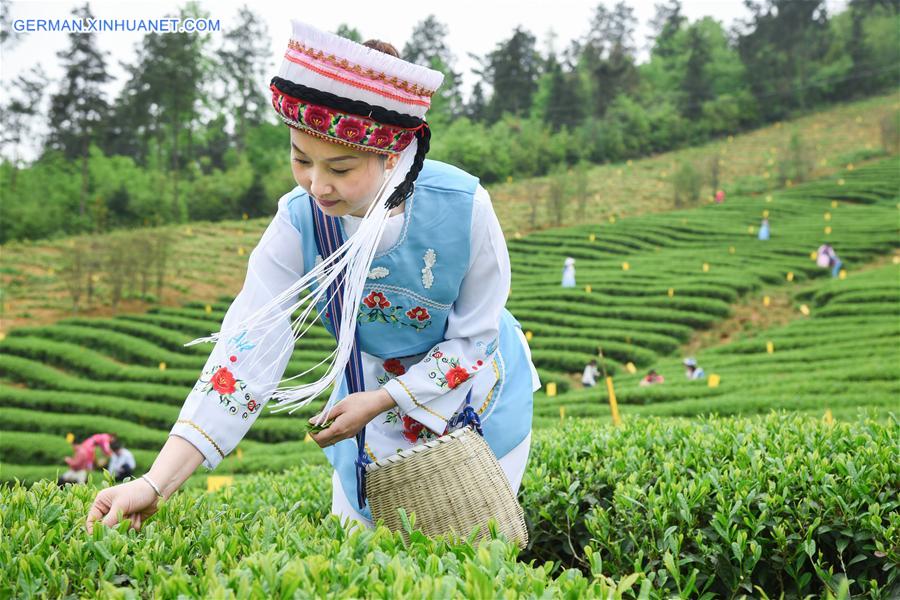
[343, 92]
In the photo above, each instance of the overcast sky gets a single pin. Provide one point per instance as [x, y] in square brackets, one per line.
[475, 26]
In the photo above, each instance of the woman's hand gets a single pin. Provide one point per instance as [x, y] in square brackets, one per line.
[352, 414]
[135, 500]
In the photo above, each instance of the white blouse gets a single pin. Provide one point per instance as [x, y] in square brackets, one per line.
[215, 415]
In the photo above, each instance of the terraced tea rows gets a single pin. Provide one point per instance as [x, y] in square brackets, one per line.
[645, 284]
[845, 357]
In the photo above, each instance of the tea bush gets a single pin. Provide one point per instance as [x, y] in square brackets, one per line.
[655, 509]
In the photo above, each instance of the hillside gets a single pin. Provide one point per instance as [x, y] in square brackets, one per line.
[208, 260]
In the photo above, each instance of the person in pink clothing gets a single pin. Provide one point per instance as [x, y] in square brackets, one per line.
[98, 439]
[83, 459]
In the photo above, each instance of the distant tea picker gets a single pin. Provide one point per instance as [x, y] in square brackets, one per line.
[568, 273]
[403, 261]
[84, 456]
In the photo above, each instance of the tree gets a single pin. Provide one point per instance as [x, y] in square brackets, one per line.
[18, 116]
[169, 82]
[426, 47]
[253, 202]
[132, 122]
[245, 60]
[607, 56]
[784, 43]
[351, 33]
[512, 70]
[8, 36]
[696, 84]
[558, 101]
[664, 25]
[80, 108]
[427, 43]
[857, 50]
[477, 105]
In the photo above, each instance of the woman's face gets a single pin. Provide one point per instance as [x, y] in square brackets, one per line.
[342, 180]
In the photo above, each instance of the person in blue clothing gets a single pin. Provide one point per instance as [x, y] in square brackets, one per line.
[568, 274]
[692, 370]
[826, 257]
[400, 257]
[764, 230]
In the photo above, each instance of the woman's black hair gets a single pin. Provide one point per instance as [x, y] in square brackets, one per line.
[376, 113]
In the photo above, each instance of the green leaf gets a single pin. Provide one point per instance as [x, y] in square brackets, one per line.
[670, 566]
[404, 520]
[856, 559]
[626, 583]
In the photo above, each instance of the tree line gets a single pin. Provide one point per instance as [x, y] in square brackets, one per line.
[189, 136]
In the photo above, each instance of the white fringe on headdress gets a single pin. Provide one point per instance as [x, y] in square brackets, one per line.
[353, 258]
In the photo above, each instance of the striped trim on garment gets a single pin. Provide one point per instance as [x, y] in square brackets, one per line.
[416, 402]
[493, 389]
[369, 73]
[498, 389]
[203, 433]
[379, 287]
[356, 84]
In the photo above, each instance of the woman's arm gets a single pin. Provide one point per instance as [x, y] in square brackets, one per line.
[243, 370]
[177, 461]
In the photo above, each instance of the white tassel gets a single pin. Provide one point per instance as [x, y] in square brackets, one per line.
[354, 258]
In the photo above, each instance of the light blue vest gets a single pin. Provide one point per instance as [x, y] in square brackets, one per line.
[408, 297]
[436, 218]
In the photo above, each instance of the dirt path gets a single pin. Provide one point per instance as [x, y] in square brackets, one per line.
[751, 315]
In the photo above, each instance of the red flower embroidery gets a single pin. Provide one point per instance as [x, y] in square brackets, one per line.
[318, 118]
[456, 376]
[290, 108]
[251, 406]
[233, 358]
[394, 366]
[376, 300]
[404, 140]
[418, 313]
[381, 137]
[350, 129]
[411, 429]
[223, 381]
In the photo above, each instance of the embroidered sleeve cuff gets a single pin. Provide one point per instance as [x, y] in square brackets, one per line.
[409, 405]
[436, 413]
[212, 450]
[402, 395]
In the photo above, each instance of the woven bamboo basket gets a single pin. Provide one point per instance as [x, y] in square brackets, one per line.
[452, 484]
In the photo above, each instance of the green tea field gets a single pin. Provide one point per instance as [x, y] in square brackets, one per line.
[783, 481]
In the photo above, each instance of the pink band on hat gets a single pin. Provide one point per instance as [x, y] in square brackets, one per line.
[350, 78]
[382, 79]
